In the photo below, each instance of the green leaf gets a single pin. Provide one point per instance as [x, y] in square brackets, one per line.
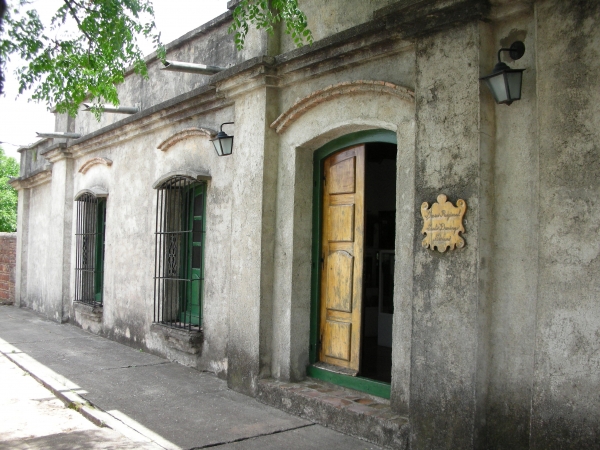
[86, 66]
[262, 14]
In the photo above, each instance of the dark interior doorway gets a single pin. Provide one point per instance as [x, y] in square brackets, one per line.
[379, 256]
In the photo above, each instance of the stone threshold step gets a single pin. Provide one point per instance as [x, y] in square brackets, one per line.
[344, 410]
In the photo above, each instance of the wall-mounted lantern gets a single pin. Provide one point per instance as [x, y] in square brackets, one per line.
[223, 142]
[504, 82]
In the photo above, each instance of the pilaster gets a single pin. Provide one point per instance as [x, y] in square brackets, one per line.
[60, 232]
[449, 291]
[253, 227]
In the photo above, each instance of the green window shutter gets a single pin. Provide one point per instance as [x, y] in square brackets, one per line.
[192, 307]
[99, 263]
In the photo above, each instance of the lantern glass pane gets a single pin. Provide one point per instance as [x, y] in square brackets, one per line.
[514, 84]
[217, 144]
[498, 87]
[227, 145]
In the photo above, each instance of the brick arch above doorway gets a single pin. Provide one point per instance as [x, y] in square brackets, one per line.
[336, 90]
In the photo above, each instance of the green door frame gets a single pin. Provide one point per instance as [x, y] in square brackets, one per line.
[367, 385]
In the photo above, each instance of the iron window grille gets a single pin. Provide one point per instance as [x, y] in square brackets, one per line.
[179, 242]
[89, 254]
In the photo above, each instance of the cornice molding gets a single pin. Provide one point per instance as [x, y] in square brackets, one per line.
[92, 162]
[185, 134]
[255, 73]
[57, 154]
[315, 98]
[41, 177]
[160, 116]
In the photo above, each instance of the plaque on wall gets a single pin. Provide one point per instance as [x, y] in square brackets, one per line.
[442, 223]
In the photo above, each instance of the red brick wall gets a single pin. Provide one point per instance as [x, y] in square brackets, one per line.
[8, 256]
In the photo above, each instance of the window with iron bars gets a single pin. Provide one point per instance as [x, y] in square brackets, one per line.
[89, 254]
[179, 242]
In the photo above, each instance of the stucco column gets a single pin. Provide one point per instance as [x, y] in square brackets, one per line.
[22, 239]
[253, 233]
[566, 404]
[505, 417]
[60, 230]
[453, 157]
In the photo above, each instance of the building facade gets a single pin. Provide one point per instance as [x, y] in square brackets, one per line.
[302, 253]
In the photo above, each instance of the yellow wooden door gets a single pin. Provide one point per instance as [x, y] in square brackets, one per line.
[342, 259]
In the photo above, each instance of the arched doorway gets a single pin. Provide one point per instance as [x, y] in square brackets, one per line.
[353, 255]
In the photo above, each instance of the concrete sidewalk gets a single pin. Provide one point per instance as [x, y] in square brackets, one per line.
[31, 418]
[150, 400]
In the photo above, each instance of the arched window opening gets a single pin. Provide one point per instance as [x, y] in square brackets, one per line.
[89, 253]
[179, 242]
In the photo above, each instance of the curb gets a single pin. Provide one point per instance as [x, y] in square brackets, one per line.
[66, 391]
[63, 392]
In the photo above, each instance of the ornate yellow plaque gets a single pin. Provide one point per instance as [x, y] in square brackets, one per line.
[442, 223]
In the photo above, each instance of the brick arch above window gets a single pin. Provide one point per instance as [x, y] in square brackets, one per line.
[94, 161]
[192, 175]
[96, 191]
[185, 134]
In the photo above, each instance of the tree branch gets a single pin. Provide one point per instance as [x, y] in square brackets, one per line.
[74, 15]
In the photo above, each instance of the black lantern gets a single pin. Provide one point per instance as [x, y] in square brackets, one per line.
[223, 142]
[504, 82]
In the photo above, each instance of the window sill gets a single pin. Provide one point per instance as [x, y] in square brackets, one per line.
[182, 340]
[90, 312]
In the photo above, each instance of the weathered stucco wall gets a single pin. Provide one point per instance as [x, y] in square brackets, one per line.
[566, 406]
[43, 247]
[397, 69]
[209, 44]
[327, 18]
[136, 164]
[494, 345]
[36, 292]
[250, 321]
[515, 253]
[32, 160]
[446, 286]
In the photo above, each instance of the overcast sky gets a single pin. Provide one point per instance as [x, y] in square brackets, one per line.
[20, 119]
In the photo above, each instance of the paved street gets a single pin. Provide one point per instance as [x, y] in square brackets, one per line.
[148, 402]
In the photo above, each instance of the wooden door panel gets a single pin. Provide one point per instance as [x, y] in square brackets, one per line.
[341, 223]
[340, 270]
[342, 177]
[342, 256]
[339, 344]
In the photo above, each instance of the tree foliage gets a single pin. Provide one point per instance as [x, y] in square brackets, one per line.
[2, 11]
[265, 14]
[64, 69]
[8, 196]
